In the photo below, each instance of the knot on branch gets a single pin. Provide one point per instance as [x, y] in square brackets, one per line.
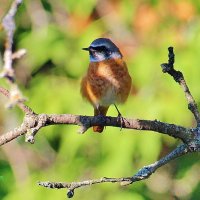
[30, 120]
[34, 123]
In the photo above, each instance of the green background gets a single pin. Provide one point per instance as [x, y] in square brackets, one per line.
[53, 32]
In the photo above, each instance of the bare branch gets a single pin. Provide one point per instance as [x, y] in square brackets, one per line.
[142, 174]
[19, 103]
[18, 54]
[178, 77]
[9, 26]
[42, 120]
[5, 138]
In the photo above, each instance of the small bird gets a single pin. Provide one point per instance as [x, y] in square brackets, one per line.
[107, 80]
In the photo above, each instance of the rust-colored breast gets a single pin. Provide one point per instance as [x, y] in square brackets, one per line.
[106, 82]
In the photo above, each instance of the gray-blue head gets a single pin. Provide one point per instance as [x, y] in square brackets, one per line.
[103, 49]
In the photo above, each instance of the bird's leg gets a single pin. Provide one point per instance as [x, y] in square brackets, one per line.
[119, 114]
[119, 118]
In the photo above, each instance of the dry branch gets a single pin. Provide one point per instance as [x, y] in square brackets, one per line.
[178, 77]
[8, 24]
[142, 174]
[34, 122]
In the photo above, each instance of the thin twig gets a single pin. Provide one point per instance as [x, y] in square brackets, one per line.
[20, 104]
[18, 54]
[8, 24]
[178, 77]
[142, 174]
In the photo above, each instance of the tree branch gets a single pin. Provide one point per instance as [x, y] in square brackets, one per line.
[142, 174]
[20, 104]
[34, 122]
[179, 78]
[8, 24]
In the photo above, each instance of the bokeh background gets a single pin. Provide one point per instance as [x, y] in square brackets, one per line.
[53, 32]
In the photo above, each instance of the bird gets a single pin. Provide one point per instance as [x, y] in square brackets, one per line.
[107, 80]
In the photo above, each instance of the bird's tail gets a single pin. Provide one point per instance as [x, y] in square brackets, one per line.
[100, 111]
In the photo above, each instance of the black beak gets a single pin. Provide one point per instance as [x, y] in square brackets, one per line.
[86, 49]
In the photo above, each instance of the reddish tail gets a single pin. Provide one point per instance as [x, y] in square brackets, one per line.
[101, 111]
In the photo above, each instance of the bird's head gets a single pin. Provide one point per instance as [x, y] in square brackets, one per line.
[103, 49]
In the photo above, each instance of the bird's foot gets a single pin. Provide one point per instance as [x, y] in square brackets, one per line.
[120, 118]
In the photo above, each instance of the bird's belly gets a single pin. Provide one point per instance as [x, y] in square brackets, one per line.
[108, 86]
[109, 97]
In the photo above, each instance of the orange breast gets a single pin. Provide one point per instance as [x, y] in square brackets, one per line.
[106, 82]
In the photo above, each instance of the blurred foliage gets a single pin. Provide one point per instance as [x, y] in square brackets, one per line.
[53, 32]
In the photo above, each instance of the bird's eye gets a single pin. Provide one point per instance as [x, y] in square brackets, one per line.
[104, 48]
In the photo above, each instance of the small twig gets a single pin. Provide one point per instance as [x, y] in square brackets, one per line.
[8, 24]
[178, 77]
[74, 185]
[20, 104]
[142, 174]
[19, 54]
